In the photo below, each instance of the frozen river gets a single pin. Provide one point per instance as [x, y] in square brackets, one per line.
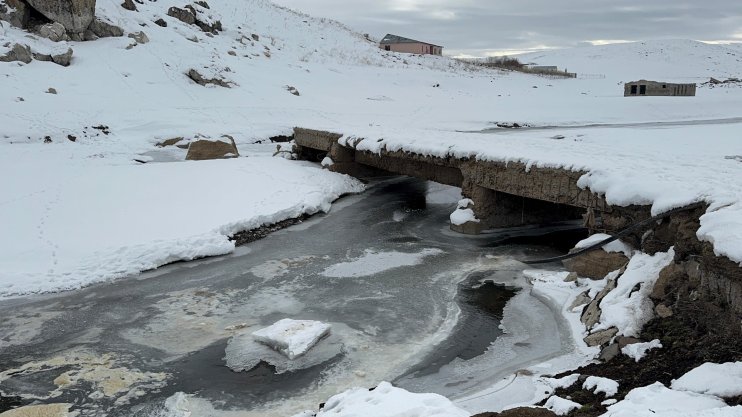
[404, 295]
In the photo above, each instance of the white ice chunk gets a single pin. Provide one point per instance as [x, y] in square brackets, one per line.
[293, 338]
[597, 384]
[637, 351]
[721, 380]
[373, 262]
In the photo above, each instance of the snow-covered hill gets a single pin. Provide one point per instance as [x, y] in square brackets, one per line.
[278, 69]
[668, 60]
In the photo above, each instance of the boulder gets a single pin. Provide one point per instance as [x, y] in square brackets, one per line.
[140, 37]
[63, 59]
[15, 12]
[601, 337]
[591, 313]
[129, 5]
[74, 15]
[17, 52]
[201, 80]
[161, 23]
[596, 264]
[185, 16]
[103, 29]
[53, 31]
[212, 149]
[609, 352]
[580, 300]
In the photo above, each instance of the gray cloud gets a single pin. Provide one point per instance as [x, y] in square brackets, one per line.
[477, 27]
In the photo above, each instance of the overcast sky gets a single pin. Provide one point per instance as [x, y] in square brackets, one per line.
[488, 27]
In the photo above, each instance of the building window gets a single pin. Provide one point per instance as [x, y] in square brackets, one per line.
[664, 85]
[642, 90]
[387, 48]
[633, 89]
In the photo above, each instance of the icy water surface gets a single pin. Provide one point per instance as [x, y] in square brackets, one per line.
[408, 301]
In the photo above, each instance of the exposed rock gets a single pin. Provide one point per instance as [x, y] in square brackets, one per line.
[63, 59]
[129, 5]
[601, 337]
[596, 264]
[609, 352]
[591, 314]
[185, 16]
[53, 31]
[169, 142]
[668, 275]
[571, 277]
[18, 52]
[161, 23]
[51, 90]
[580, 300]
[103, 29]
[201, 80]
[233, 53]
[624, 341]
[255, 37]
[663, 311]
[212, 149]
[15, 12]
[292, 90]
[520, 412]
[74, 15]
[202, 4]
[140, 37]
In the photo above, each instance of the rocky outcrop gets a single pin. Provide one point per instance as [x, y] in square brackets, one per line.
[212, 149]
[64, 59]
[17, 52]
[129, 5]
[591, 313]
[184, 15]
[601, 337]
[596, 264]
[15, 12]
[53, 31]
[74, 15]
[190, 15]
[201, 80]
[102, 29]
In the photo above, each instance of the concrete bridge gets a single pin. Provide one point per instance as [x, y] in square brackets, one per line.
[504, 195]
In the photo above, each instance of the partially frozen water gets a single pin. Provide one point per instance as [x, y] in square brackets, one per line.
[383, 269]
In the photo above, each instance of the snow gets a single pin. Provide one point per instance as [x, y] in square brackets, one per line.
[659, 401]
[463, 213]
[722, 380]
[561, 406]
[563, 382]
[624, 307]
[615, 246]
[293, 338]
[598, 384]
[637, 351]
[97, 220]
[388, 401]
[373, 262]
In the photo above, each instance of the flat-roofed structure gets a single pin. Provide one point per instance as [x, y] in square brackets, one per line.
[656, 88]
[410, 46]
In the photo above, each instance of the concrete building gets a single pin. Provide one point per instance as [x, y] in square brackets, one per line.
[410, 46]
[655, 88]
